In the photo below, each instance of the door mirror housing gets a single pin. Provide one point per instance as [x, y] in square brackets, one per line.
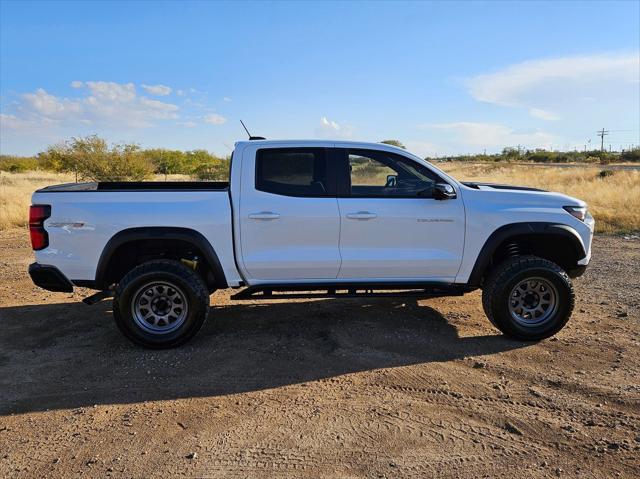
[443, 191]
[392, 180]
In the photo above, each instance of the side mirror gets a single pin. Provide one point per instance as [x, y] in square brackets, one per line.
[392, 180]
[443, 191]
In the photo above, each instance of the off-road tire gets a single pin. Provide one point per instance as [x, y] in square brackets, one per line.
[499, 285]
[191, 285]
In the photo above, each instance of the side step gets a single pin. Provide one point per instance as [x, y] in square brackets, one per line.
[349, 290]
[97, 297]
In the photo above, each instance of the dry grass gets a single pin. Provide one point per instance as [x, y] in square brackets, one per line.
[613, 200]
[16, 190]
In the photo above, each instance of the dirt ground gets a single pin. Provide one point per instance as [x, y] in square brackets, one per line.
[322, 388]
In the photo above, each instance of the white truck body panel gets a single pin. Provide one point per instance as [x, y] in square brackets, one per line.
[284, 238]
[489, 209]
[82, 223]
[263, 238]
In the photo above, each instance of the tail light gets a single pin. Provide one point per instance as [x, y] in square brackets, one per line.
[39, 236]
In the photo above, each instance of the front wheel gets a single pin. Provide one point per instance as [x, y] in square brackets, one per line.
[528, 298]
[160, 304]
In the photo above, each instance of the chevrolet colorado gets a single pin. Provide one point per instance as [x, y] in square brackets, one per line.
[307, 219]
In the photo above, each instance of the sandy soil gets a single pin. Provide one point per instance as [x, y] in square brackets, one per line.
[322, 388]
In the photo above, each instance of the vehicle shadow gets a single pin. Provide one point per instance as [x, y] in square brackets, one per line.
[70, 355]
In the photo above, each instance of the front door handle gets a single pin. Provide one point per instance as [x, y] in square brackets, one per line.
[362, 215]
[264, 215]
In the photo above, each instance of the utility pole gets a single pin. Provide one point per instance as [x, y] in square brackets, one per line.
[602, 134]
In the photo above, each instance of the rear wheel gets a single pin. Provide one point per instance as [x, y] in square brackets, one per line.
[528, 298]
[161, 304]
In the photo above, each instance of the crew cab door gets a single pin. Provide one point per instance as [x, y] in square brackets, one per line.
[392, 227]
[289, 224]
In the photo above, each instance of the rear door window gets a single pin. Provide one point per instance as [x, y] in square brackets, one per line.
[293, 171]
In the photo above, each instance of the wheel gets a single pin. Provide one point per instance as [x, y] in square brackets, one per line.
[528, 298]
[160, 304]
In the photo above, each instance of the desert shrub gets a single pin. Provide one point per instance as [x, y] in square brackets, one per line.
[394, 143]
[212, 170]
[18, 164]
[541, 157]
[630, 155]
[91, 158]
[510, 154]
[205, 166]
[167, 162]
[605, 173]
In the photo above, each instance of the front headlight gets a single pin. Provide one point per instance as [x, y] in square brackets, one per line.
[579, 212]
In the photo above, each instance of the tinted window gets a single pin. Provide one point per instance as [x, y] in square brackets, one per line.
[382, 174]
[292, 171]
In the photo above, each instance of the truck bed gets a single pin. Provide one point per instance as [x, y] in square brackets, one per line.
[85, 216]
[137, 186]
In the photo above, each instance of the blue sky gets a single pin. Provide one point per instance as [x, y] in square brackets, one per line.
[441, 77]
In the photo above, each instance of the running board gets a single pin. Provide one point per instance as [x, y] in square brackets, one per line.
[348, 290]
[97, 297]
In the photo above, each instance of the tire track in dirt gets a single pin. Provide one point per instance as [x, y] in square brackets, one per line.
[308, 389]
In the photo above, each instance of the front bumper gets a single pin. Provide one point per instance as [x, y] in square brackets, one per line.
[577, 271]
[49, 278]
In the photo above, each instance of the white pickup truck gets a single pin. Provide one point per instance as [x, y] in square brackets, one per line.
[309, 219]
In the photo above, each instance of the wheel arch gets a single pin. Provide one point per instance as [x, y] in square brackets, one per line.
[557, 242]
[132, 236]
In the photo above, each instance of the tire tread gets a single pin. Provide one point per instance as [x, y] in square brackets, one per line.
[194, 282]
[500, 276]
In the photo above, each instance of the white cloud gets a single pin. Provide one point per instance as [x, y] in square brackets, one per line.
[226, 98]
[48, 106]
[214, 119]
[76, 84]
[476, 136]
[117, 92]
[328, 124]
[11, 122]
[180, 92]
[543, 114]
[546, 86]
[331, 129]
[421, 148]
[158, 90]
[105, 104]
[188, 124]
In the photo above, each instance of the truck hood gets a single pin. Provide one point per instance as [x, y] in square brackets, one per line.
[496, 186]
[522, 194]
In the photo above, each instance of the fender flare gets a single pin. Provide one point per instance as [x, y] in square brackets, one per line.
[158, 232]
[505, 232]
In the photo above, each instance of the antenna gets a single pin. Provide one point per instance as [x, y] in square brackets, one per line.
[245, 129]
[251, 137]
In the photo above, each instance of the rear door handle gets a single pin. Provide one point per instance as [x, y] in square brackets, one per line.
[264, 215]
[362, 215]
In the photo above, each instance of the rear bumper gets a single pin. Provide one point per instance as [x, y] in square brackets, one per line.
[49, 278]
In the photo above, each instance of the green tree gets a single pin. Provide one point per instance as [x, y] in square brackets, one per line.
[394, 143]
[91, 158]
[167, 162]
[631, 155]
[18, 164]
